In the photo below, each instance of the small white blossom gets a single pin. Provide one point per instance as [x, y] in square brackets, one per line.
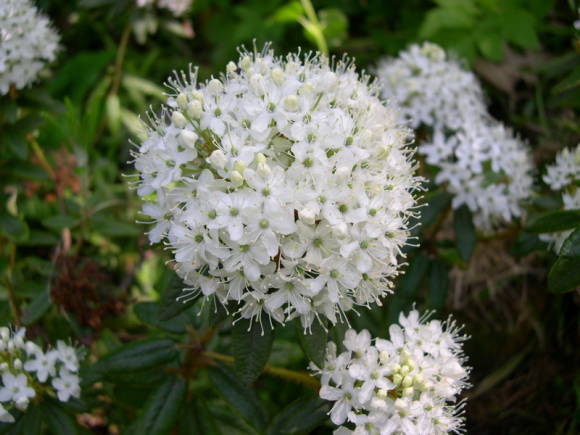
[28, 370]
[176, 7]
[296, 185]
[27, 42]
[482, 163]
[407, 385]
[564, 175]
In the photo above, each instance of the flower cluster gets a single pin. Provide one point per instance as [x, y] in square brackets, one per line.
[28, 371]
[564, 175]
[483, 164]
[408, 384]
[27, 42]
[284, 186]
[176, 7]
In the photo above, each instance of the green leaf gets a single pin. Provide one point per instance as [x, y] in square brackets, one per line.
[300, 417]
[554, 221]
[113, 111]
[58, 420]
[162, 408]
[491, 46]
[290, 12]
[197, 419]
[564, 275]
[519, 28]
[59, 222]
[464, 232]
[172, 289]
[138, 355]
[241, 397]
[334, 26]
[438, 284]
[29, 423]
[148, 312]
[251, 346]
[36, 309]
[314, 343]
[336, 334]
[13, 228]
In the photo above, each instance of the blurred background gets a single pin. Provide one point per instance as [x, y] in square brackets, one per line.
[77, 263]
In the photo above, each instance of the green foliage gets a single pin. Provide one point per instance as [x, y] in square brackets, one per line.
[251, 347]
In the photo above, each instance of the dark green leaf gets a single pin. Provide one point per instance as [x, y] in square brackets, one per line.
[438, 284]
[58, 420]
[334, 26]
[59, 222]
[251, 346]
[162, 408]
[464, 232]
[172, 289]
[35, 310]
[300, 417]
[29, 423]
[241, 397]
[519, 28]
[554, 221]
[149, 312]
[138, 355]
[564, 275]
[196, 418]
[571, 246]
[13, 228]
[313, 342]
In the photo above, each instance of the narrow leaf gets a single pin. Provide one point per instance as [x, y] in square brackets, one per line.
[58, 420]
[36, 309]
[162, 408]
[554, 221]
[241, 397]
[138, 355]
[438, 284]
[464, 232]
[300, 417]
[314, 343]
[251, 346]
[148, 312]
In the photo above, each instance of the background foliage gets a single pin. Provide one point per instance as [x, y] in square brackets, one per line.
[74, 262]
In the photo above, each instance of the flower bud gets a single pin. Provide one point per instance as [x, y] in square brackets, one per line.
[187, 138]
[278, 75]
[194, 109]
[4, 333]
[263, 169]
[397, 379]
[197, 95]
[239, 166]
[260, 158]
[182, 101]
[215, 87]
[231, 68]
[291, 103]
[407, 381]
[17, 364]
[178, 119]
[236, 178]
[245, 63]
[217, 159]
[22, 404]
[408, 391]
[307, 215]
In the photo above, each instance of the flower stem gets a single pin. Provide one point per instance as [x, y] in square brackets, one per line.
[300, 377]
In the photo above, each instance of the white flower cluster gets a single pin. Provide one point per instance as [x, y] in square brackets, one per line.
[284, 186]
[483, 164]
[28, 371]
[176, 7]
[27, 42]
[564, 175]
[408, 384]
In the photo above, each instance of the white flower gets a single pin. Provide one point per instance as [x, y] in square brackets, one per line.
[481, 162]
[67, 385]
[564, 175]
[27, 42]
[5, 416]
[15, 387]
[176, 7]
[67, 355]
[43, 365]
[288, 160]
[405, 385]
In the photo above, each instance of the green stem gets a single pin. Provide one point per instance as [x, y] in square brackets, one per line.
[10, 286]
[312, 25]
[292, 375]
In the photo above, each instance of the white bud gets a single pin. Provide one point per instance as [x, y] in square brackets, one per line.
[307, 215]
[396, 368]
[231, 68]
[3, 366]
[236, 178]
[382, 393]
[260, 158]
[245, 63]
[215, 87]
[22, 404]
[306, 88]
[197, 95]
[217, 159]
[340, 229]
[263, 169]
[408, 391]
[4, 333]
[291, 103]
[187, 138]
[405, 369]
[278, 75]
[407, 381]
[342, 173]
[17, 364]
[384, 356]
[181, 101]
[178, 119]
[194, 109]
[239, 166]
[397, 378]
